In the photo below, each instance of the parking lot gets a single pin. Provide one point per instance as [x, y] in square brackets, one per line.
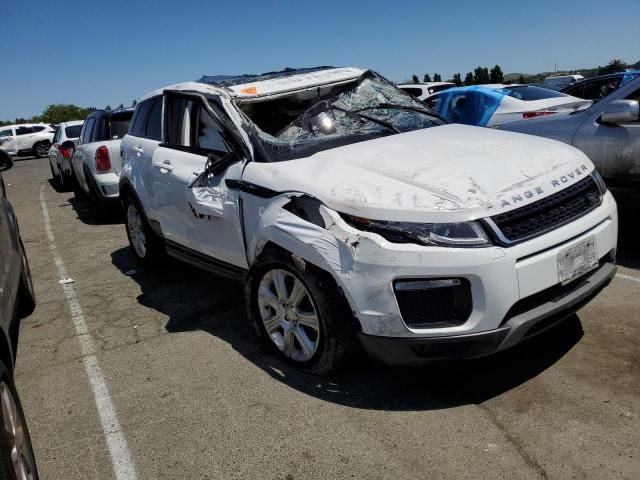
[190, 393]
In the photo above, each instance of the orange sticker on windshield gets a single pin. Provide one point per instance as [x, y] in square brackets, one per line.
[249, 90]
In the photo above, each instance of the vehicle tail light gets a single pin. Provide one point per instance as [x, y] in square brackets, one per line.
[103, 163]
[537, 113]
[65, 152]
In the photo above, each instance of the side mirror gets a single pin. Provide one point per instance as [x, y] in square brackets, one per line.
[5, 161]
[621, 111]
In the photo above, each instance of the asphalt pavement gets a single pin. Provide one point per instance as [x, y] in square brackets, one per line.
[153, 373]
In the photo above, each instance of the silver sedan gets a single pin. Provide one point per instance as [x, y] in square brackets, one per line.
[608, 132]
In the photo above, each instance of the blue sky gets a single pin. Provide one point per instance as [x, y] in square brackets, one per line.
[99, 53]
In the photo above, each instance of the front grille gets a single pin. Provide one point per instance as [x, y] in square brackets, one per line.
[546, 214]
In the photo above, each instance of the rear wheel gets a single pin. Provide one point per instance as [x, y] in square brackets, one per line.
[41, 149]
[300, 314]
[57, 179]
[17, 460]
[144, 242]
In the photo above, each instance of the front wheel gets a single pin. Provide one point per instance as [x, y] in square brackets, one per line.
[17, 460]
[144, 242]
[300, 314]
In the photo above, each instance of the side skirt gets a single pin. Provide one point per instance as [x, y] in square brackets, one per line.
[213, 265]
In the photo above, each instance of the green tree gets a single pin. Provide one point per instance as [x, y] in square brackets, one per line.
[415, 79]
[617, 63]
[426, 78]
[481, 76]
[62, 113]
[437, 77]
[521, 79]
[496, 75]
[457, 79]
[134, 103]
[468, 80]
[108, 107]
[121, 106]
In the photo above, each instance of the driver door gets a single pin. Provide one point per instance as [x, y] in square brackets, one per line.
[614, 149]
[195, 209]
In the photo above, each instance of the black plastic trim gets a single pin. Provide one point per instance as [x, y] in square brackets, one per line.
[205, 262]
[251, 188]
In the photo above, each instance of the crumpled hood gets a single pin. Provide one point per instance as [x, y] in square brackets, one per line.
[448, 173]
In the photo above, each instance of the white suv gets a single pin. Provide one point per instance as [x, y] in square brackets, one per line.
[350, 211]
[96, 163]
[26, 138]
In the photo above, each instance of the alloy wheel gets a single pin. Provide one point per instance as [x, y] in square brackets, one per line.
[136, 231]
[289, 315]
[20, 450]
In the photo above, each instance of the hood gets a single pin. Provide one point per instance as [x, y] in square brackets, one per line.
[440, 174]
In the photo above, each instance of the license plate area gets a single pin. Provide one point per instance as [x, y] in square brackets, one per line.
[575, 261]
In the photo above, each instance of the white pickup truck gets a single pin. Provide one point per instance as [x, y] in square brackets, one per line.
[352, 212]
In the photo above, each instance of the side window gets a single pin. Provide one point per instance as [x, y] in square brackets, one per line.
[598, 90]
[153, 129]
[23, 131]
[5, 133]
[56, 136]
[98, 134]
[210, 135]
[38, 128]
[191, 124]
[139, 121]
[86, 130]
[179, 114]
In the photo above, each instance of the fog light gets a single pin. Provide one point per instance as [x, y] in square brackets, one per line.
[434, 302]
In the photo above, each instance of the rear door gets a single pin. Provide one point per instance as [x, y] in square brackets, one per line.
[81, 151]
[8, 139]
[24, 137]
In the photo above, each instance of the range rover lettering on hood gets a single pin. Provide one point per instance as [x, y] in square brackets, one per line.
[543, 189]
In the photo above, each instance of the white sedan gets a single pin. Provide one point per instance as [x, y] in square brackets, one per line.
[491, 105]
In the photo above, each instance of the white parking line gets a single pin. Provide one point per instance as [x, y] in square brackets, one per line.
[116, 442]
[628, 277]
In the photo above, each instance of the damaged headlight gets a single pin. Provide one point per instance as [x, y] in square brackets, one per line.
[464, 234]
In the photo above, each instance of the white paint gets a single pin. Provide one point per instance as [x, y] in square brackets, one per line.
[628, 277]
[116, 442]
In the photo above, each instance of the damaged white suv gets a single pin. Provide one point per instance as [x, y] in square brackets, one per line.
[352, 212]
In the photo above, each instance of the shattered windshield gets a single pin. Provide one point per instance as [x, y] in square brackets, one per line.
[321, 118]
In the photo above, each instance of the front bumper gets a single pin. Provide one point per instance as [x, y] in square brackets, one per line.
[418, 351]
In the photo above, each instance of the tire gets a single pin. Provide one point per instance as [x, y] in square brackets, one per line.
[98, 208]
[57, 179]
[144, 242]
[330, 340]
[27, 295]
[75, 186]
[16, 451]
[41, 149]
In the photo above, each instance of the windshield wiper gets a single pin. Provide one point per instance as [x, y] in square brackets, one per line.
[357, 114]
[429, 113]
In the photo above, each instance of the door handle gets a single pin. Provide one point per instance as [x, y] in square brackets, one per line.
[138, 149]
[165, 165]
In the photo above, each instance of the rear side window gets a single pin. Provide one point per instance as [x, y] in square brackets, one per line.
[6, 133]
[152, 130]
[119, 123]
[71, 132]
[38, 128]
[24, 130]
[139, 122]
[523, 92]
[56, 135]
[86, 130]
[99, 130]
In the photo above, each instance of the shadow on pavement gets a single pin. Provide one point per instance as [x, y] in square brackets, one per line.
[85, 214]
[629, 229]
[197, 300]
